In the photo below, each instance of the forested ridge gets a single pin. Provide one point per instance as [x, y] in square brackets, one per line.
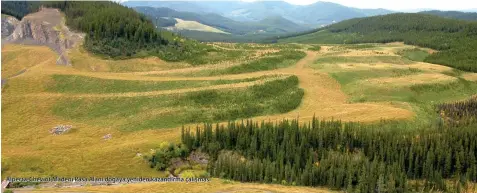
[470, 16]
[213, 20]
[114, 30]
[355, 157]
[455, 40]
[18, 9]
[238, 31]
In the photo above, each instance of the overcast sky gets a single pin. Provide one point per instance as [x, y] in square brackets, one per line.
[399, 4]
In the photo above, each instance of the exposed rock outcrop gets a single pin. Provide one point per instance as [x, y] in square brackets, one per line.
[8, 25]
[60, 129]
[46, 27]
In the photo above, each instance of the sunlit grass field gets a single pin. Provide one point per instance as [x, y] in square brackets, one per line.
[144, 101]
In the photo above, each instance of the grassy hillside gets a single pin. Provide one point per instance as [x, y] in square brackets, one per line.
[455, 40]
[221, 37]
[280, 24]
[273, 24]
[453, 14]
[143, 102]
[326, 12]
[115, 31]
[194, 26]
[215, 20]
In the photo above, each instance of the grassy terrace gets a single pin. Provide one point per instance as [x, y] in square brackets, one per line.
[271, 61]
[347, 77]
[84, 84]
[362, 85]
[364, 59]
[277, 60]
[415, 54]
[166, 111]
[422, 98]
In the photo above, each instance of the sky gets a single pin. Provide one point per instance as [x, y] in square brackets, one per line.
[399, 4]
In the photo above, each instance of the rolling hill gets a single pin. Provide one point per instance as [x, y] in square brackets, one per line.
[453, 14]
[324, 13]
[235, 31]
[193, 25]
[273, 24]
[314, 15]
[456, 40]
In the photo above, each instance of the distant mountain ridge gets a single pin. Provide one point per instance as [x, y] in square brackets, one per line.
[272, 24]
[455, 39]
[469, 16]
[314, 15]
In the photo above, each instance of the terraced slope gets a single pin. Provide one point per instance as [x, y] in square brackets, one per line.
[155, 102]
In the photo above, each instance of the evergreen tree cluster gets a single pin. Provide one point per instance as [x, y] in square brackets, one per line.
[459, 113]
[161, 159]
[348, 156]
[116, 31]
[469, 16]
[18, 9]
[456, 40]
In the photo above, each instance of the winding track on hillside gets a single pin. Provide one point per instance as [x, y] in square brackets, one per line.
[35, 116]
[323, 96]
[156, 93]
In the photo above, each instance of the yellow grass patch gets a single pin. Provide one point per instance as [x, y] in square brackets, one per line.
[85, 61]
[411, 80]
[30, 150]
[430, 67]
[16, 58]
[427, 67]
[194, 25]
[324, 99]
[470, 76]
[367, 53]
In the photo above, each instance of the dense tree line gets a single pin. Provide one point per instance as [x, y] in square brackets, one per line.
[350, 156]
[456, 40]
[459, 113]
[18, 9]
[116, 31]
[469, 16]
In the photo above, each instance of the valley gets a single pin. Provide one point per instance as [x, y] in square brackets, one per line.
[383, 103]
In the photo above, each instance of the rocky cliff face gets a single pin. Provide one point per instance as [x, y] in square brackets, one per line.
[46, 27]
[8, 25]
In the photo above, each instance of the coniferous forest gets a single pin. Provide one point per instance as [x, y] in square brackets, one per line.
[354, 157]
[455, 40]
